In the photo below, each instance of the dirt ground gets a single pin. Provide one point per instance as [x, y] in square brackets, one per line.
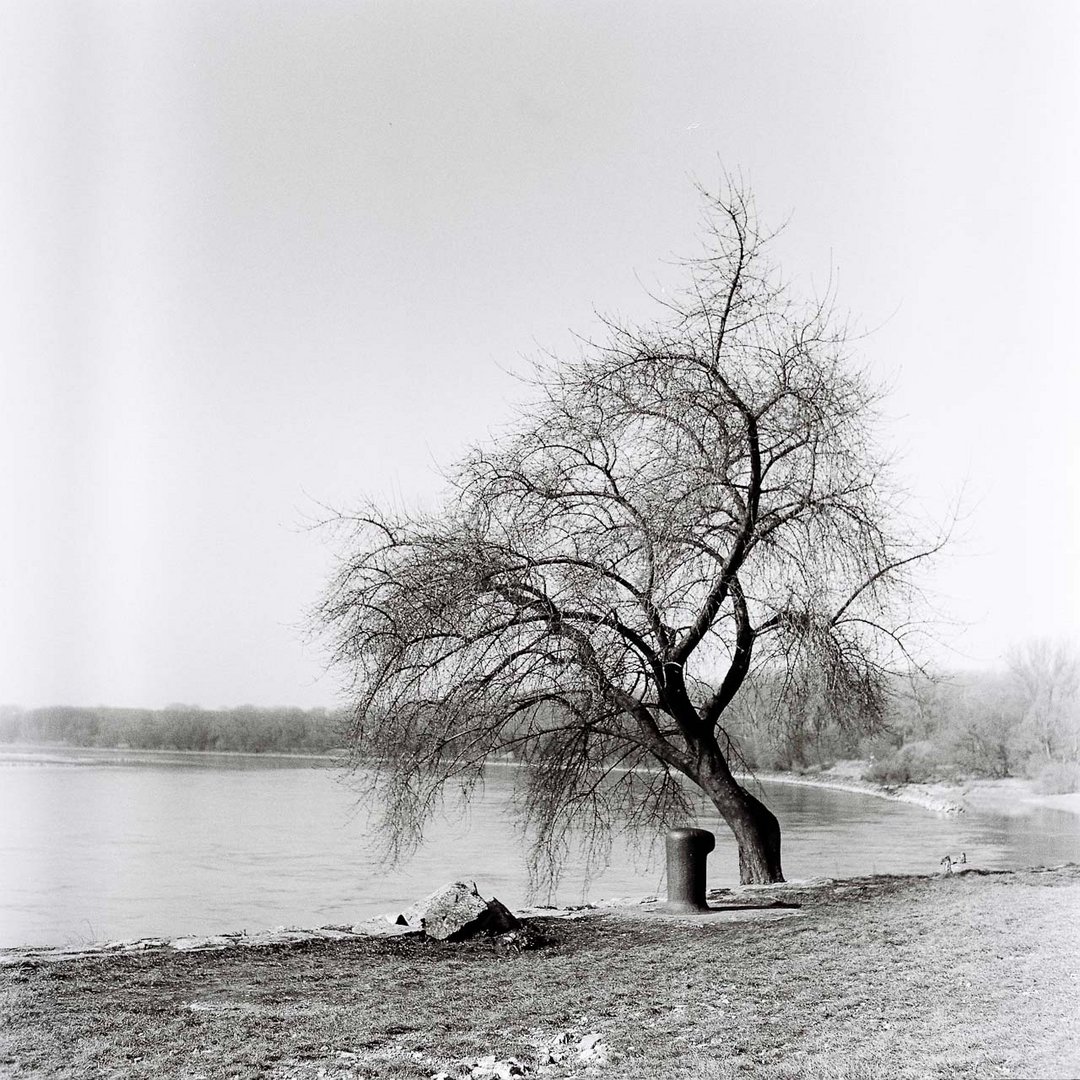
[969, 975]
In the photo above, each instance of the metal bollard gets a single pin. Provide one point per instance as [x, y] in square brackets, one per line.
[687, 850]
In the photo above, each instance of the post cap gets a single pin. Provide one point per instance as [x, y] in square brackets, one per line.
[700, 837]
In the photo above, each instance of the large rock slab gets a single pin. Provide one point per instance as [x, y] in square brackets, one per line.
[458, 911]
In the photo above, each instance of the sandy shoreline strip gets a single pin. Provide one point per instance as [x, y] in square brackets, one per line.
[1005, 797]
[927, 800]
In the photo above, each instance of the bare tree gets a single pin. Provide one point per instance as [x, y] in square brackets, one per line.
[1046, 677]
[683, 505]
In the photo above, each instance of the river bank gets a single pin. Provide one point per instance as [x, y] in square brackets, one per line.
[948, 976]
[841, 779]
[1006, 796]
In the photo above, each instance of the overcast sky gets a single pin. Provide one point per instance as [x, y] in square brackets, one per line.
[261, 256]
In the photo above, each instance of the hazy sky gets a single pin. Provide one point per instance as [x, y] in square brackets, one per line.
[258, 256]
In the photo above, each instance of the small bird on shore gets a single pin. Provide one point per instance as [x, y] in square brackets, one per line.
[948, 862]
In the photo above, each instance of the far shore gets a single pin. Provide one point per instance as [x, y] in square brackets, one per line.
[51, 753]
[1004, 796]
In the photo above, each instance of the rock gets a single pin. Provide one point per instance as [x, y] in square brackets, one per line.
[209, 942]
[490, 1068]
[568, 1050]
[624, 901]
[458, 911]
[379, 927]
[592, 1050]
[546, 911]
[520, 940]
[457, 903]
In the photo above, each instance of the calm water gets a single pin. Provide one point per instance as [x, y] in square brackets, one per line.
[101, 845]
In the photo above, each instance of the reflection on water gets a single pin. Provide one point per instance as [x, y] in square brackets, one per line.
[180, 844]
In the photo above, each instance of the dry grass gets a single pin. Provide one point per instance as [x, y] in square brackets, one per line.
[965, 976]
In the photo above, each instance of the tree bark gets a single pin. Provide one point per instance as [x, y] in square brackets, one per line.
[756, 828]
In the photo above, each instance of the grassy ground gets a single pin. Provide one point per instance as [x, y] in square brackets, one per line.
[961, 976]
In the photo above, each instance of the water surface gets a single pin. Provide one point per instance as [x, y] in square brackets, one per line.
[104, 845]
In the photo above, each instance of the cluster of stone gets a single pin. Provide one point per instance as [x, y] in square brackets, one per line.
[458, 911]
[567, 1051]
[453, 913]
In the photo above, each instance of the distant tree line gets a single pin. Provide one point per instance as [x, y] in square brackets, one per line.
[246, 729]
[1020, 720]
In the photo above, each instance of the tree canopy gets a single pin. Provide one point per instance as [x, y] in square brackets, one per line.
[683, 508]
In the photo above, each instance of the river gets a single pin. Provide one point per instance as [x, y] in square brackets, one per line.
[104, 845]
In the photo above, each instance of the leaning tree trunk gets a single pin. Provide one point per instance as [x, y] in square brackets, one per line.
[755, 826]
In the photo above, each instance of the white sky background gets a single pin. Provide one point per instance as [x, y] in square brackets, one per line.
[260, 254]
